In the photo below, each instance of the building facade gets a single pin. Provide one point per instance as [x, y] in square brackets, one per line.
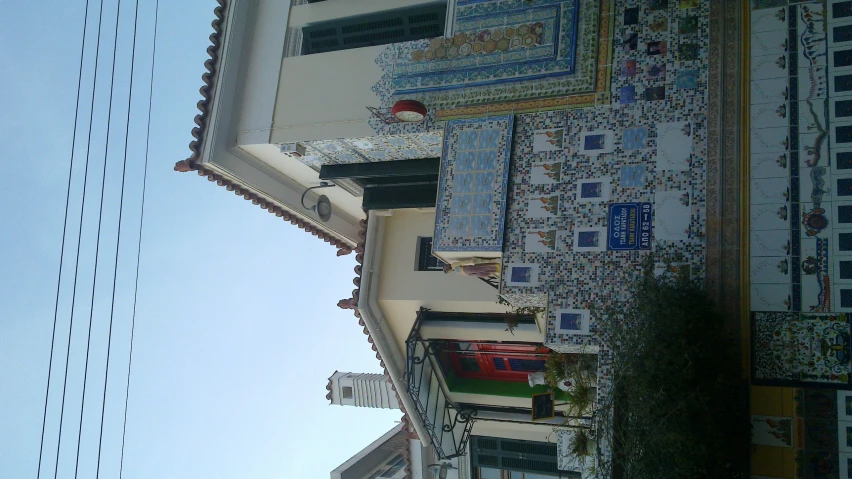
[383, 458]
[560, 142]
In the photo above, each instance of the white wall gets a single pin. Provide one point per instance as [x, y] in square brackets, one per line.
[241, 103]
[403, 290]
[400, 280]
[325, 96]
[525, 432]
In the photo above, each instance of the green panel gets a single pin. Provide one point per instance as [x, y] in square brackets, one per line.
[393, 197]
[496, 388]
[382, 169]
[529, 447]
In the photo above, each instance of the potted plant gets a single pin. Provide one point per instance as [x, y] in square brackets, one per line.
[575, 375]
[518, 313]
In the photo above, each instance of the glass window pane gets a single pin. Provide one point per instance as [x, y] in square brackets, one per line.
[469, 364]
[526, 365]
[488, 473]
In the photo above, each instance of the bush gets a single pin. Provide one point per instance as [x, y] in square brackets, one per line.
[678, 406]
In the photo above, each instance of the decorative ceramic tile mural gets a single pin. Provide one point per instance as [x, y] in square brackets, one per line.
[801, 349]
[801, 226]
[471, 205]
[503, 51]
[378, 148]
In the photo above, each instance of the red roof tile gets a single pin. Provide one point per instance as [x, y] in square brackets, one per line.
[193, 163]
[352, 303]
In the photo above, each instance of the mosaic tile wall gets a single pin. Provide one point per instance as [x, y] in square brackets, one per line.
[591, 189]
[577, 174]
[471, 203]
[801, 349]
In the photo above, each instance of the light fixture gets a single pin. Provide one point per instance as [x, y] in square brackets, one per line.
[409, 111]
[323, 206]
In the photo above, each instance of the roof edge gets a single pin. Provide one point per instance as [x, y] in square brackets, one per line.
[194, 163]
[343, 247]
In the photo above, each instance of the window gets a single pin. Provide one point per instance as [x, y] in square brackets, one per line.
[380, 28]
[394, 465]
[347, 392]
[844, 160]
[469, 364]
[499, 458]
[846, 298]
[390, 468]
[845, 269]
[841, 9]
[425, 260]
[526, 365]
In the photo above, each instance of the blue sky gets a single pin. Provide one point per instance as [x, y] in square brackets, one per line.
[237, 327]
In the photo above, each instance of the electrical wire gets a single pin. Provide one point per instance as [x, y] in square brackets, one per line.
[98, 240]
[139, 241]
[118, 235]
[79, 236]
[64, 233]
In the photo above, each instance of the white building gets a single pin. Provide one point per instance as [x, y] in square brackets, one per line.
[522, 160]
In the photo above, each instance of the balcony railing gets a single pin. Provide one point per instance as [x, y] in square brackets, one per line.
[447, 424]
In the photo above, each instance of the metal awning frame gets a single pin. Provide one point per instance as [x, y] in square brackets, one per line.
[447, 424]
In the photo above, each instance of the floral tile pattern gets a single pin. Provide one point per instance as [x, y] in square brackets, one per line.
[378, 148]
[800, 349]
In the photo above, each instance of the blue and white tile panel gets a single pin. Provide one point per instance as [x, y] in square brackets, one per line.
[471, 205]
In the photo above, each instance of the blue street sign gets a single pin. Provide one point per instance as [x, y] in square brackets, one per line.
[630, 226]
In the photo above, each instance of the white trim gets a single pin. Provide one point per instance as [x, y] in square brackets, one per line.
[450, 19]
[374, 320]
[208, 141]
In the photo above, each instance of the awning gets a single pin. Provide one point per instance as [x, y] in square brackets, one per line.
[448, 425]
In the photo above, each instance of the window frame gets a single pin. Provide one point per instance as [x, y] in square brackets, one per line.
[423, 255]
[384, 27]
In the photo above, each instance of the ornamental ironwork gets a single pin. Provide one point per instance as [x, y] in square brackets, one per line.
[447, 424]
